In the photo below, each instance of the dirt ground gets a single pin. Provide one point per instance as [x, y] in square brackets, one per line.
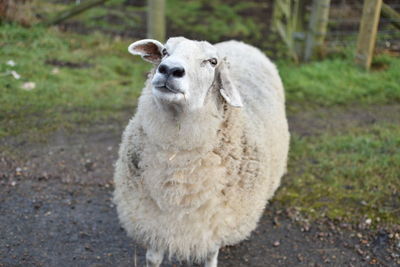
[56, 208]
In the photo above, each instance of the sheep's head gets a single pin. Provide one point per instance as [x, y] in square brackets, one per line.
[185, 72]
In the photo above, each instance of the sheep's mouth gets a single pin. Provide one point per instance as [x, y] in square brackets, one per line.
[168, 89]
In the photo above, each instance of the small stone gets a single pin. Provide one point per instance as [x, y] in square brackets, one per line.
[373, 261]
[11, 63]
[13, 183]
[368, 221]
[15, 75]
[55, 71]
[322, 234]
[300, 258]
[360, 252]
[28, 86]
[276, 244]
[89, 165]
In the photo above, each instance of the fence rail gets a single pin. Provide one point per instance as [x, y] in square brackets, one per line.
[287, 17]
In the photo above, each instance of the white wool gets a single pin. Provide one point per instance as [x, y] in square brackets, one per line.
[191, 185]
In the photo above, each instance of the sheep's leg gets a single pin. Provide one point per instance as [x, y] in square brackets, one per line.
[212, 259]
[154, 257]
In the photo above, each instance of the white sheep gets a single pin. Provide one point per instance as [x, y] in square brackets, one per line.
[205, 151]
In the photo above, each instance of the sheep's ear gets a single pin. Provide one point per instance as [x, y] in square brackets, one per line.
[150, 50]
[228, 90]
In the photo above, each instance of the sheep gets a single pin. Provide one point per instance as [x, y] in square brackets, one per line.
[205, 150]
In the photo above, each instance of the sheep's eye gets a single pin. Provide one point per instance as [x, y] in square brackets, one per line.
[213, 62]
[164, 52]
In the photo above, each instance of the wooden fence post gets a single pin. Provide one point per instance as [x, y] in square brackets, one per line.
[299, 34]
[317, 29]
[156, 20]
[367, 34]
[288, 22]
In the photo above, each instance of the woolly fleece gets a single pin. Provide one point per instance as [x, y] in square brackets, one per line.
[193, 185]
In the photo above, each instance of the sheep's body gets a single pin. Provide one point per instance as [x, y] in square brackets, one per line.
[192, 185]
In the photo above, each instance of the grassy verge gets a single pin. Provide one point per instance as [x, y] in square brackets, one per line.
[339, 82]
[351, 175]
[77, 78]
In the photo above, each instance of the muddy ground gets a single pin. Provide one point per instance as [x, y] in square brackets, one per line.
[56, 209]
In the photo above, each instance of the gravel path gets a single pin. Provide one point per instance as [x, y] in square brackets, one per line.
[56, 209]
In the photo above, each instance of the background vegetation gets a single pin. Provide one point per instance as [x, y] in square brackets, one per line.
[82, 79]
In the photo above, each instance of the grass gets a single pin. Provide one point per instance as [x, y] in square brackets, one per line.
[338, 82]
[348, 174]
[351, 175]
[108, 81]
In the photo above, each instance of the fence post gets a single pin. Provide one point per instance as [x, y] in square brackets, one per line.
[299, 36]
[288, 22]
[317, 29]
[156, 20]
[367, 34]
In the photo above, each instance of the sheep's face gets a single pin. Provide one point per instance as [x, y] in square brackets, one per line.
[185, 72]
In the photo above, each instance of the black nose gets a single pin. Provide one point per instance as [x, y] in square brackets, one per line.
[177, 72]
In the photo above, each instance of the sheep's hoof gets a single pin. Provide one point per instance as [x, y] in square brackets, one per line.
[154, 258]
[212, 260]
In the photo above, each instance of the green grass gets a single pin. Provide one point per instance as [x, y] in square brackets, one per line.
[110, 83]
[351, 175]
[339, 82]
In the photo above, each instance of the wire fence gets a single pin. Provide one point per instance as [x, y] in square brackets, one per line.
[250, 21]
[344, 22]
